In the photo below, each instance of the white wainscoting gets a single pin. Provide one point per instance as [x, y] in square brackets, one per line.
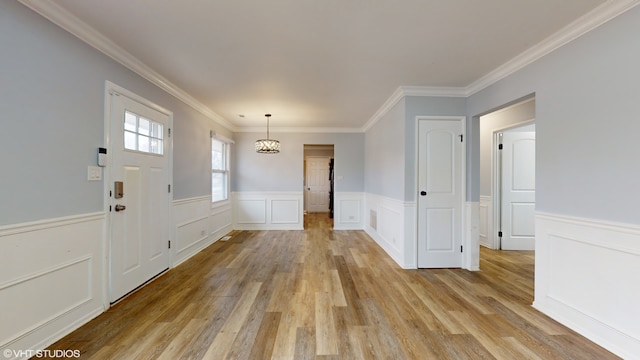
[51, 279]
[268, 210]
[198, 225]
[587, 278]
[348, 212]
[486, 230]
[471, 254]
[394, 227]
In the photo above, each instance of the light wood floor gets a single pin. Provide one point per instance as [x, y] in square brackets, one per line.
[327, 294]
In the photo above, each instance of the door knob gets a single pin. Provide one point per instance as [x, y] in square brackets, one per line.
[423, 193]
[120, 207]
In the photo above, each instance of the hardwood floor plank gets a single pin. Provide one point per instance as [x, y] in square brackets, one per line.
[305, 343]
[327, 294]
[222, 343]
[263, 346]
[325, 330]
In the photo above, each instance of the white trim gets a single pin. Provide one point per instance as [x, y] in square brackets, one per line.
[397, 95]
[586, 271]
[191, 200]
[315, 130]
[44, 224]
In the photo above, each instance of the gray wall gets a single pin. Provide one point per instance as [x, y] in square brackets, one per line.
[385, 155]
[285, 171]
[52, 116]
[391, 145]
[586, 122]
[424, 106]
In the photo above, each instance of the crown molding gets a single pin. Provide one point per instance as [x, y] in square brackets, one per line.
[598, 16]
[593, 19]
[434, 91]
[283, 129]
[70, 23]
[403, 91]
[397, 95]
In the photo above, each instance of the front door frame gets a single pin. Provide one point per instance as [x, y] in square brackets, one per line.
[111, 89]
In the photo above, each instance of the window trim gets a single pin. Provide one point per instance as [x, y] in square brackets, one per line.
[227, 171]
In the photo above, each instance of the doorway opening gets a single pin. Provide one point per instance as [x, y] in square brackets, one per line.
[507, 177]
[318, 182]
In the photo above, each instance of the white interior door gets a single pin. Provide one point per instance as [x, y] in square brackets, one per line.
[518, 190]
[317, 183]
[440, 197]
[139, 217]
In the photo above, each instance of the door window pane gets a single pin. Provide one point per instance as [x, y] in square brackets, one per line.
[144, 135]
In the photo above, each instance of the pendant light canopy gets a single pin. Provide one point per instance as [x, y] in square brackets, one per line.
[267, 146]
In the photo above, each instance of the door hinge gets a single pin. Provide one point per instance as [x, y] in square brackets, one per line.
[499, 146]
[461, 137]
[110, 193]
[109, 208]
[169, 132]
[169, 243]
[461, 248]
[499, 233]
[169, 188]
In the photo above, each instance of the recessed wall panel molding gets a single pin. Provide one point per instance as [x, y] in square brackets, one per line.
[268, 210]
[586, 278]
[60, 260]
[198, 224]
[349, 210]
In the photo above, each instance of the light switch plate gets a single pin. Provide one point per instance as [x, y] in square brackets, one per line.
[94, 173]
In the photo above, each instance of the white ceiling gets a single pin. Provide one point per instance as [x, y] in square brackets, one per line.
[321, 63]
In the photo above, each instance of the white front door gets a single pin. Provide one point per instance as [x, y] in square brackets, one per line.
[317, 183]
[440, 193]
[518, 190]
[139, 216]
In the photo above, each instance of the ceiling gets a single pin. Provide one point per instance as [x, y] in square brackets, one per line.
[321, 63]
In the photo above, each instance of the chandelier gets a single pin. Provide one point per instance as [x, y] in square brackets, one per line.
[267, 146]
